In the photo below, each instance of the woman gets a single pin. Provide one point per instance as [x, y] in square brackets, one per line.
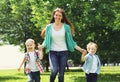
[58, 41]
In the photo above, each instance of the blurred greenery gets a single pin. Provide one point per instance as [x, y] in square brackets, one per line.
[94, 20]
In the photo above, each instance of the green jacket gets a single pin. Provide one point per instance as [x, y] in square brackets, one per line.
[68, 35]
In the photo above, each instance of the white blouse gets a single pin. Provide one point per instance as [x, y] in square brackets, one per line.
[58, 42]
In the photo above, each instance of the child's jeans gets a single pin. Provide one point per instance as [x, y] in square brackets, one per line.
[34, 76]
[91, 77]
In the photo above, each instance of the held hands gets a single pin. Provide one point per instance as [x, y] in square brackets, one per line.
[83, 51]
[39, 46]
[40, 51]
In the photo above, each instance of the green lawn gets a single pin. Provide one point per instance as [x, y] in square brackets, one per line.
[108, 74]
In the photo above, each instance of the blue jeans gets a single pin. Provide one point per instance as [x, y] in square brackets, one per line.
[34, 76]
[58, 60]
[91, 77]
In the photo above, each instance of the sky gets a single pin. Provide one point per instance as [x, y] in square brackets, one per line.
[10, 57]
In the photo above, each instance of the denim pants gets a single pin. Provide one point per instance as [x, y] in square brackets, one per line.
[91, 77]
[58, 60]
[34, 76]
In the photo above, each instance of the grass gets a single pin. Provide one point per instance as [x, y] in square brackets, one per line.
[108, 74]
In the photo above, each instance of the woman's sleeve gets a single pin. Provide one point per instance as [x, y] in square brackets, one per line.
[46, 42]
[69, 38]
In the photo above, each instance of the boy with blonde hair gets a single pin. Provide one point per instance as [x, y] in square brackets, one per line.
[33, 61]
[92, 65]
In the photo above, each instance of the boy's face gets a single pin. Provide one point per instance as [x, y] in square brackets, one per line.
[30, 46]
[92, 49]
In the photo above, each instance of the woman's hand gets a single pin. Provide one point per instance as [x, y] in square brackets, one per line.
[83, 51]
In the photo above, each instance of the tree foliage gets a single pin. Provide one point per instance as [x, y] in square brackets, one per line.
[94, 20]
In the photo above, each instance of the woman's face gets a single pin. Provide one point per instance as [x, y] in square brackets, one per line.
[58, 16]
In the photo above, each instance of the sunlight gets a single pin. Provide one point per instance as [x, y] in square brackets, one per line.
[10, 57]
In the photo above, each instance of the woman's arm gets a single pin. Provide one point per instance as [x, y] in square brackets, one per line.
[83, 51]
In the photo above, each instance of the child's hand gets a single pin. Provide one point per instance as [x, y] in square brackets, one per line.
[27, 70]
[18, 69]
[84, 52]
[26, 59]
[40, 51]
[39, 46]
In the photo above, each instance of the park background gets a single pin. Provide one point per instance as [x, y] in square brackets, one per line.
[93, 20]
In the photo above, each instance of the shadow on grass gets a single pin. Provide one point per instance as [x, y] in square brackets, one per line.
[109, 78]
[101, 78]
[5, 78]
[70, 70]
[77, 79]
[74, 70]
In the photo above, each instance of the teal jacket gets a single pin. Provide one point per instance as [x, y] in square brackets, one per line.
[68, 35]
[88, 64]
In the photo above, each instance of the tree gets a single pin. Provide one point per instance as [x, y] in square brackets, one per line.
[20, 21]
[94, 20]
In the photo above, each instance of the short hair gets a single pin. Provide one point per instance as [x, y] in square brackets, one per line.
[29, 40]
[91, 43]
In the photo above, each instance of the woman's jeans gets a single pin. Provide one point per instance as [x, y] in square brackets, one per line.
[58, 60]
